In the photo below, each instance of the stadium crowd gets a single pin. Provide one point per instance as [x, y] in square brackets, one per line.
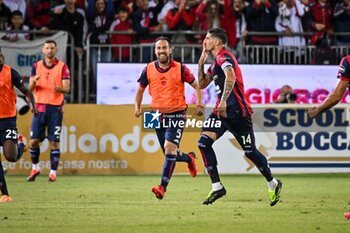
[141, 17]
[103, 29]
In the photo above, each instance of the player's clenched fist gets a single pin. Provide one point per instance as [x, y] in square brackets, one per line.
[138, 112]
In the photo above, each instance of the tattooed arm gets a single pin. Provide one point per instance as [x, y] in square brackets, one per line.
[203, 79]
[229, 84]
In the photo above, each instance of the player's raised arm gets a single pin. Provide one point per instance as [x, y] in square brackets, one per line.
[203, 79]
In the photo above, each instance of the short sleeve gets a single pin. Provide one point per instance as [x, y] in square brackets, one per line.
[187, 75]
[143, 81]
[33, 70]
[344, 70]
[65, 72]
[16, 78]
[224, 60]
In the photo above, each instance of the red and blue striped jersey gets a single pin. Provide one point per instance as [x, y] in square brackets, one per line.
[237, 102]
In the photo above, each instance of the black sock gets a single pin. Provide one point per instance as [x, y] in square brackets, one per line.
[214, 174]
[54, 158]
[182, 157]
[205, 146]
[34, 154]
[168, 169]
[260, 162]
[3, 186]
[20, 151]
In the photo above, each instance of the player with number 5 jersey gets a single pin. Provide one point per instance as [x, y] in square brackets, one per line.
[49, 81]
[166, 79]
[233, 110]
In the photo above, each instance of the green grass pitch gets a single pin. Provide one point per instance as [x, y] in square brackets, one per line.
[309, 203]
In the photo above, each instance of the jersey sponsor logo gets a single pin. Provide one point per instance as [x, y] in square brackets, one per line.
[222, 59]
[341, 69]
[163, 81]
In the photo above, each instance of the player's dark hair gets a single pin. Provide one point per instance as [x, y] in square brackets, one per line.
[163, 38]
[219, 33]
[51, 42]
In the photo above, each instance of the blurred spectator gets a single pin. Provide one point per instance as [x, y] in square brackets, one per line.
[5, 16]
[99, 22]
[127, 4]
[261, 17]
[321, 23]
[17, 25]
[324, 54]
[288, 21]
[122, 23]
[19, 5]
[161, 16]
[209, 15]
[79, 10]
[234, 23]
[306, 19]
[144, 21]
[91, 9]
[287, 96]
[179, 18]
[39, 14]
[81, 4]
[68, 19]
[342, 22]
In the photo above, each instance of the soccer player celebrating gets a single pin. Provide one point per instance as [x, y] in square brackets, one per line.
[335, 96]
[12, 143]
[233, 110]
[166, 79]
[49, 80]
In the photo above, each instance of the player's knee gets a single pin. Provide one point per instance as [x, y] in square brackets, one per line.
[54, 145]
[10, 152]
[170, 148]
[249, 152]
[256, 156]
[33, 143]
[11, 157]
[204, 142]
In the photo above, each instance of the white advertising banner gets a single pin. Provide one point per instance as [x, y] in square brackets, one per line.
[291, 141]
[22, 55]
[117, 83]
